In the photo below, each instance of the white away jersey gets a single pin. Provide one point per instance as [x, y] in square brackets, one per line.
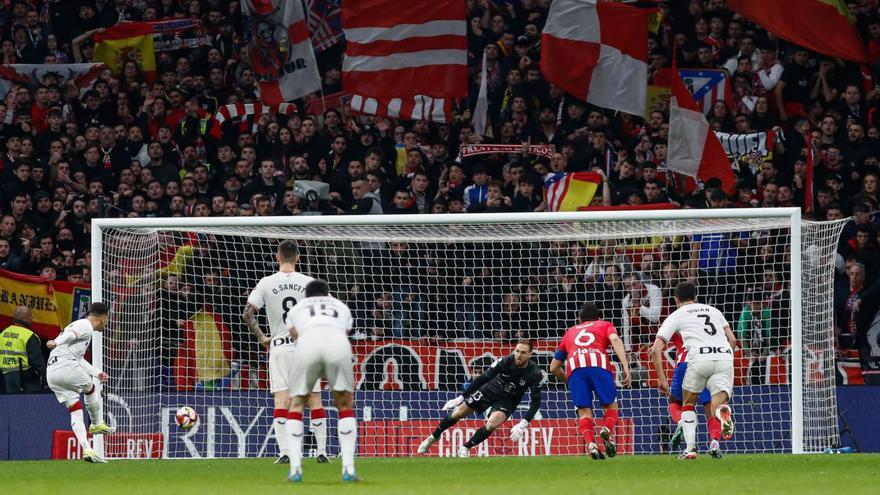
[320, 314]
[702, 330]
[279, 293]
[74, 341]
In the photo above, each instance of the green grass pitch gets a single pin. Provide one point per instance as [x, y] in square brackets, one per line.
[758, 474]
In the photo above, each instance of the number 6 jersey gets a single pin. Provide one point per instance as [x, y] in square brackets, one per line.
[702, 331]
[586, 345]
[279, 292]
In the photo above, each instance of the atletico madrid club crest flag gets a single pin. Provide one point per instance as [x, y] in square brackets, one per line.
[707, 86]
[127, 42]
[280, 50]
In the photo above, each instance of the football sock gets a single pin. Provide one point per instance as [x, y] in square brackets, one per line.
[295, 434]
[93, 404]
[675, 412]
[444, 425]
[347, 431]
[318, 425]
[478, 437]
[78, 425]
[585, 426]
[689, 426]
[610, 419]
[714, 428]
[279, 426]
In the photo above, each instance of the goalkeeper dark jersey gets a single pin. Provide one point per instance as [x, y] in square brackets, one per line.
[503, 385]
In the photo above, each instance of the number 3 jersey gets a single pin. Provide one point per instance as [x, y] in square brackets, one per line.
[279, 293]
[586, 345]
[702, 332]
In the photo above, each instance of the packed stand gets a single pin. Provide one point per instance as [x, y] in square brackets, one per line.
[128, 147]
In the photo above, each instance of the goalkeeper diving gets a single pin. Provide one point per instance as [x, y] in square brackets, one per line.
[499, 389]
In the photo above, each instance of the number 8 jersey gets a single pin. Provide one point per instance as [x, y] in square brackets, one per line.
[702, 331]
[279, 292]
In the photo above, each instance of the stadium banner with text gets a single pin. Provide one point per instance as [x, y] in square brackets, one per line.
[228, 426]
[54, 303]
[401, 364]
[468, 150]
[392, 423]
[174, 34]
[118, 445]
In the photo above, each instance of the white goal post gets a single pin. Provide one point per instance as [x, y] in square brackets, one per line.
[436, 298]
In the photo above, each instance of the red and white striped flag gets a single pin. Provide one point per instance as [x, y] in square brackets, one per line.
[280, 50]
[405, 52]
[598, 52]
[416, 108]
[247, 115]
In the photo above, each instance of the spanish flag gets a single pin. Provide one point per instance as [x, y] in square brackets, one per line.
[824, 26]
[568, 192]
[204, 358]
[54, 303]
[127, 41]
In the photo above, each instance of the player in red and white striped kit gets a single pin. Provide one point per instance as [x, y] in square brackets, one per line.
[584, 352]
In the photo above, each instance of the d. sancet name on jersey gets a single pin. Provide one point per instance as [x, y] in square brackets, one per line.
[288, 287]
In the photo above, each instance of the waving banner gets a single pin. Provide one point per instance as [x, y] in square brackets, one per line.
[754, 144]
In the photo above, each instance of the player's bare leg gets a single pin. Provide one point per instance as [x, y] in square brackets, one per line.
[689, 424]
[724, 413]
[714, 432]
[279, 425]
[295, 436]
[496, 419]
[607, 432]
[457, 414]
[587, 429]
[346, 430]
[318, 425]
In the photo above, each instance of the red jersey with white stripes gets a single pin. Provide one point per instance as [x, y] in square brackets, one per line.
[586, 345]
[681, 352]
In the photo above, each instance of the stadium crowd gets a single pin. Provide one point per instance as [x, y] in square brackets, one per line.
[135, 148]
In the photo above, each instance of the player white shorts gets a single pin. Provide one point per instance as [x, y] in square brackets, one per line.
[281, 371]
[68, 380]
[322, 354]
[717, 376]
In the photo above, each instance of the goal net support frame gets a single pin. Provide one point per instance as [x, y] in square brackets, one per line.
[812, 406]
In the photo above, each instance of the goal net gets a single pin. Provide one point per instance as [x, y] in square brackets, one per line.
[437, 298]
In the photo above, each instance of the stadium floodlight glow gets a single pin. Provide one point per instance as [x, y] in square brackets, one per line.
[436, 298]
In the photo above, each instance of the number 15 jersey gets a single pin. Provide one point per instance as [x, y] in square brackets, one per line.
[279, 293]
[702, 331]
